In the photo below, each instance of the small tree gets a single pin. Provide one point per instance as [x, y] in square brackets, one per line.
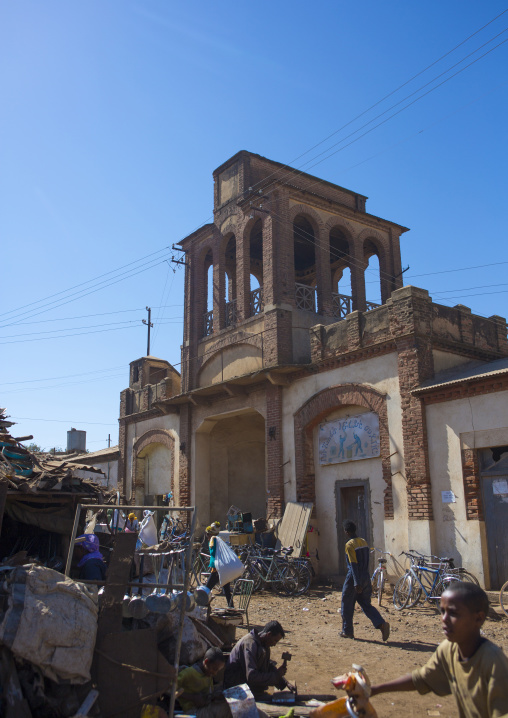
[34, 448]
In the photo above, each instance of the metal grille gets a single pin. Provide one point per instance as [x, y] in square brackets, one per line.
[372, 305]
[208, 324]
[341, 305]
[305, 297]
[256, 301]
[231, 313]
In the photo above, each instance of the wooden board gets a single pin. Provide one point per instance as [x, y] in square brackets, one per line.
[293, 528]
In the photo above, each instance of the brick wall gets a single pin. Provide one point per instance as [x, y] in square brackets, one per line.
[472, 488]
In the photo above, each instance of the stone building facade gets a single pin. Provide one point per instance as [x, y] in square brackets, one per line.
[274, 356]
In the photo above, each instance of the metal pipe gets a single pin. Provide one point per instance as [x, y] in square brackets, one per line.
[73, 539]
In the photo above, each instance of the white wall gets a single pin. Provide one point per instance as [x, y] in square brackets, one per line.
[380, 373]
[476, 422]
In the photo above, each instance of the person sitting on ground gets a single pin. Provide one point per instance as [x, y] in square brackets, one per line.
[465, 664]
[199, 696]
[91, 562]
[211, 534]
[250, 662]
[357, 587]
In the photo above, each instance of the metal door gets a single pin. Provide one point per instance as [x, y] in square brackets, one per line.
[495, 498]
[352, 499]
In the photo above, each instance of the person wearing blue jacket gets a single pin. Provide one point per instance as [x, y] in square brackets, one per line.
[357, 586]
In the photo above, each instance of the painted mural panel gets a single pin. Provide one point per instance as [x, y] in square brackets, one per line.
[349, 439]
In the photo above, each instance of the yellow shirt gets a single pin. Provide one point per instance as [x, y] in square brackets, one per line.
[480, 684]
[193, 680]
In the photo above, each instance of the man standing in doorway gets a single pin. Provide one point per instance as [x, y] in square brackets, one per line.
[357, 585]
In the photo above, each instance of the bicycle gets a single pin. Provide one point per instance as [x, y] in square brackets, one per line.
[379, 576]
[417, 581]
[503, 597]
[269, 567]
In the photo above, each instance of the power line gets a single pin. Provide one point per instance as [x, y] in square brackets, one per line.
[67, 376]
[63, 421]
[99, 314]
[393, 92]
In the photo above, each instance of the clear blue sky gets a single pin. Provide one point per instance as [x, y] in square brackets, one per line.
[114, 115]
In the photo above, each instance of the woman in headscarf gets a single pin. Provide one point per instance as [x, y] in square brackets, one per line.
[91, 564]
[132, 523]
[211, 534]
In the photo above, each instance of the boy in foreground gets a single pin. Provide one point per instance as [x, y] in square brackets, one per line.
[200, 697]
[465, 664]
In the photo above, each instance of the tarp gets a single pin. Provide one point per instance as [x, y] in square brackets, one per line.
[57, 518]
[51, 622]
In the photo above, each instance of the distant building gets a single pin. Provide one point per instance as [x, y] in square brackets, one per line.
[292, 390]
[106, 460]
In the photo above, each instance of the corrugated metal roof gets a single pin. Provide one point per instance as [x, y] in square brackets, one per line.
[464, 373]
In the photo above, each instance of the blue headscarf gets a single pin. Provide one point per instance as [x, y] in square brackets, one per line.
[90, 543]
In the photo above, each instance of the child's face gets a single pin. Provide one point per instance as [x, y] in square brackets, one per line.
[459, 623]
[212, 668]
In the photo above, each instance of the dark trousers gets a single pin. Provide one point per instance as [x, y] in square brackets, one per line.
[350, 597]
[214, 580]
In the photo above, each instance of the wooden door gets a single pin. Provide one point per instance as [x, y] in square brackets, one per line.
[353, 504]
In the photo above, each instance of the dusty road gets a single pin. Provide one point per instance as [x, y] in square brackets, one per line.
[319, 653]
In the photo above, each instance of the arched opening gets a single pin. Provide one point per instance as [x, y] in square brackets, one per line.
[372, 275]
[305, 264]
[230, 465]
[154, 473]
[341, 274]
[230, 281]
[256, 268]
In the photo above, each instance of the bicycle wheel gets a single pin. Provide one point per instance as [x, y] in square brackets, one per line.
[380, 584]
[463, 575]
[402, 591]
[287, 581]
[304, 578]
[444, 583]
[503, 597]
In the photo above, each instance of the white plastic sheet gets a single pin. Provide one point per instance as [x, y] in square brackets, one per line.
[227, 562]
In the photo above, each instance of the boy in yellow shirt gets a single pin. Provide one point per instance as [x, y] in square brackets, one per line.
[465, 664]
[199, 696]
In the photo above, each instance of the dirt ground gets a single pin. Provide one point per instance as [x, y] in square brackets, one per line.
[312, 626]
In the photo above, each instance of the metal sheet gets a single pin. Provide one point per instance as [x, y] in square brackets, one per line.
[293, 528]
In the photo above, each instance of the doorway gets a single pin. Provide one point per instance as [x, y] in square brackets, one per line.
[494, 479]
[352, 500]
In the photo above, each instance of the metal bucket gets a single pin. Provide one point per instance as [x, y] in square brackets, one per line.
[203, 595]
[190, 601]
[137, 607]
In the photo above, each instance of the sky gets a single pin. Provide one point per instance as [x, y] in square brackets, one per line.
[115, 114]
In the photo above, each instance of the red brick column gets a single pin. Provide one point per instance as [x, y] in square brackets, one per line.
[411, 325]
[357, 266]
[243, 274]
[274, 447]
[184, 494]
[324, 275]
[472, 489]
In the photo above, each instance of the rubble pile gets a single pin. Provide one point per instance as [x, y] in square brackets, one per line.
[23, 471]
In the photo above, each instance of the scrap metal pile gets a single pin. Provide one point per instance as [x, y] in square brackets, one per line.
[24, 471]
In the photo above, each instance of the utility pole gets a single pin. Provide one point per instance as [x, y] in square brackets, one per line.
[149, 325]
[109, 441]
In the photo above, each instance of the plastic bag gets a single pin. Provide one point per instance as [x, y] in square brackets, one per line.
[148, 530]
[227, 562]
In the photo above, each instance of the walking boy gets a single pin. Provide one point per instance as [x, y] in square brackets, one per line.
[465, 664]
[357, 586]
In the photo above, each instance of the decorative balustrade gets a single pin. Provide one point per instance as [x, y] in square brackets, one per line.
[208, 323]
[372, 305]
[341, 305]
[256, 301]
[305, 297]
[231, 313]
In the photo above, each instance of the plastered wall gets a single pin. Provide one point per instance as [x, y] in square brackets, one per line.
[381, 374]
[452, 426]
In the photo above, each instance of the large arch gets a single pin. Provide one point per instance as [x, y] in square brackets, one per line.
[145, 445]
[314, 411]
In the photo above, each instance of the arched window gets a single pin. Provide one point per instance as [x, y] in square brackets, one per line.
[372, 275]
[305, 264]
[341, 274]
[208, 294]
